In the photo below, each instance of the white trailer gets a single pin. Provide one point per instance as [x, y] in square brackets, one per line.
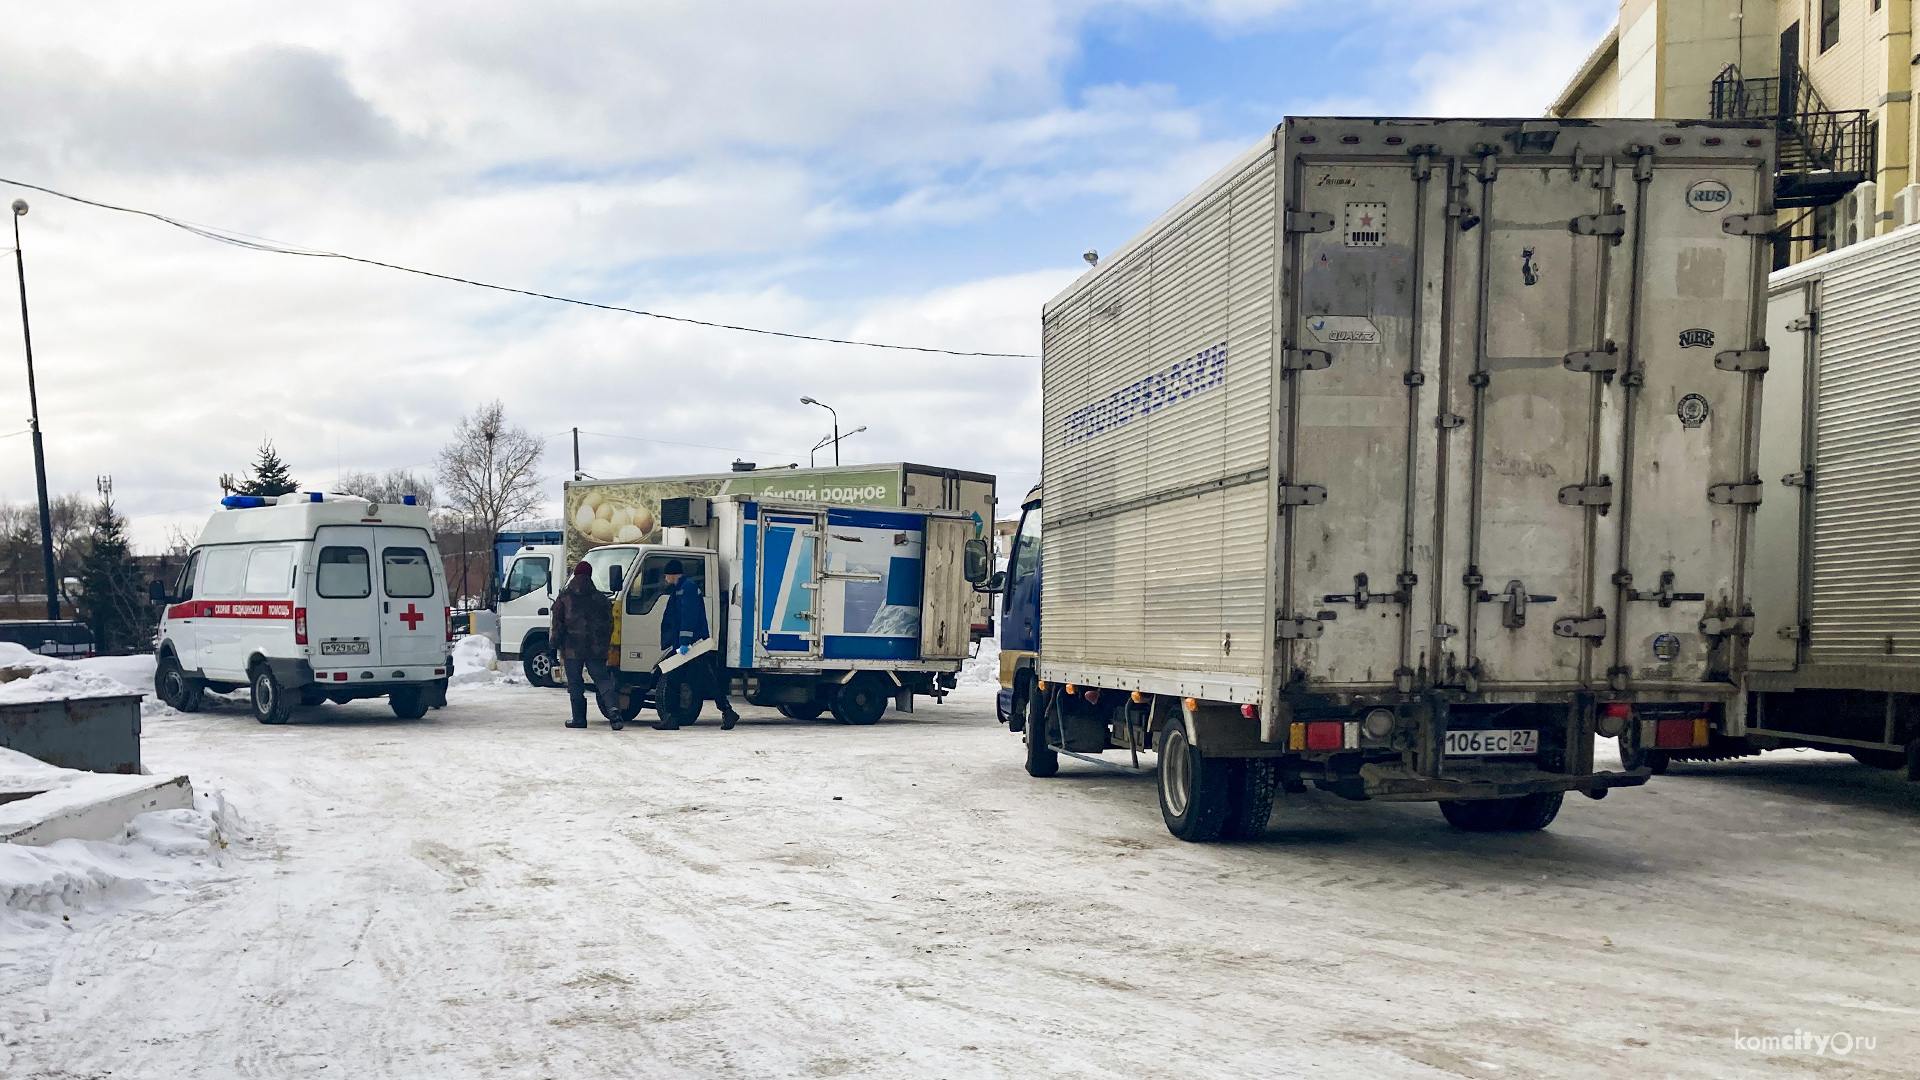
[1835, 659]
[1402, 456]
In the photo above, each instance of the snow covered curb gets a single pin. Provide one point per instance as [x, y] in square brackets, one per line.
[158, 853]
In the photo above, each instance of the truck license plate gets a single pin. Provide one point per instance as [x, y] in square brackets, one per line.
[1495, 741]
[359, 648]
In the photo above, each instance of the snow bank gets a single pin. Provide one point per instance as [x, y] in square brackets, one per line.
[981, 671]
[474, 662]
[26, 675]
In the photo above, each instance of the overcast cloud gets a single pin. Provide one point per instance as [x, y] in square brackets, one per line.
[917, 172]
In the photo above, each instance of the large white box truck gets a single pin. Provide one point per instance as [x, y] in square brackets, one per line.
[1400, 458]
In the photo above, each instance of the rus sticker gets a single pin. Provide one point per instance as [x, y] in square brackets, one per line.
[1366, 225]
[1709, 195]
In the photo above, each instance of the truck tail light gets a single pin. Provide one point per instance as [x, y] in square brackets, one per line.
[1251, 712]
[1327, 735]
[299, 626]
[1681, 734]
[1612, 719]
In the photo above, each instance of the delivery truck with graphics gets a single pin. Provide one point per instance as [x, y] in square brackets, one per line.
[1399, 460]
[607, 520]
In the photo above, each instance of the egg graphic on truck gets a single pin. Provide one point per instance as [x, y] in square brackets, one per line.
[606, 521]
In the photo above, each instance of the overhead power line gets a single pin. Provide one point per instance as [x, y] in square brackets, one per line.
[255, 243]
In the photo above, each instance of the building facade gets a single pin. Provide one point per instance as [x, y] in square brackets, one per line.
[1835, 77]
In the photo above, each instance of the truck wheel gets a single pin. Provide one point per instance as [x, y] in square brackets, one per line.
[1250, 802]
[1196, 791]
[537, 661]
[805, 710]
[677, 698]
[271, 703]
[1532, 813]
[174, 686]
[408, 702]
[1880, 759]
[860, 700]
[1480, 815]
[1042, 760]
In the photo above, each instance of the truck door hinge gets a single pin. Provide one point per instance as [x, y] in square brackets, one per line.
[1296, 629]
[1664, 595]
[1592, 627]
[1302, 495]
[1447, 421]
[1754, 359]
[1792, 631]
[1305, 360]
[1605, 360]
[1600, 494]
[1309, 221]
[1360, 597]
[1442, 631]
[1599, 225]
[1801, 479]
[1728, 626]
[1747, 224]
[1806, 324]
[1513, 603]
[1747, 494]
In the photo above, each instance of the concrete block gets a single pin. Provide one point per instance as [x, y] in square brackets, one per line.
[95, 810]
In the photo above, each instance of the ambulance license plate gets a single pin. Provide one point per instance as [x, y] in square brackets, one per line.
[1511, 741]
[359, 648]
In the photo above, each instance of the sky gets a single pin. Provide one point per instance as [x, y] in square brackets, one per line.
[885, 170]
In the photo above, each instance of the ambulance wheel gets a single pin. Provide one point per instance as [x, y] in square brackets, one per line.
[271, 703]
[537, 662]
[1196, 791]
[408, 702]
[805, 710]
[860, 701]
[174, 686]
[1042, 760]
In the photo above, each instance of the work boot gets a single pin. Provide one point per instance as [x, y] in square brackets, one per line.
[728, 719]
[666, 725]
[576, 723]
[615, 724]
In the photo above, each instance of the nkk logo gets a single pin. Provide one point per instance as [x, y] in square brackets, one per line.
[1696, 339]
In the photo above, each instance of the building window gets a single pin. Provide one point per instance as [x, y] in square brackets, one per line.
[1829, 24]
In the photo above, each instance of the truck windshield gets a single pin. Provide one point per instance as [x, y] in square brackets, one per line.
[1026, 546]
[603, 559]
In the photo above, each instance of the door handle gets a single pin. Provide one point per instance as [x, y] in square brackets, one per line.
[546, 611]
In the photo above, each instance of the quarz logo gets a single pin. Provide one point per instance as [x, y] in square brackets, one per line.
[1709, 195]
[1696, 338]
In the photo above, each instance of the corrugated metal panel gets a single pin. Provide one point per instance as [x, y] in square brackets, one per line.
[1866, 560]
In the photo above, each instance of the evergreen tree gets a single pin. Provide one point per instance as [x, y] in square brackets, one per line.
[270, 475]
[112, 593]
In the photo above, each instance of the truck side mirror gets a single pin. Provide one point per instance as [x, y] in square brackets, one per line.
[979, 564]
[157, 593]
[996, 583]
[616, 576]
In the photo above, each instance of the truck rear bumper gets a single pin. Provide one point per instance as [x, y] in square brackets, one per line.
[1398, 785]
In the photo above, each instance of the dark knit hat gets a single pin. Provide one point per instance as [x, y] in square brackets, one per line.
[673, 567]
[583, 568]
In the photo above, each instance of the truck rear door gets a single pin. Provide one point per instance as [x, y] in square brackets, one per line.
[412, 606]
[343, 616]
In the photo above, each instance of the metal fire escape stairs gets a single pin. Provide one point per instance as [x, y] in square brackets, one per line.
[1824, 153]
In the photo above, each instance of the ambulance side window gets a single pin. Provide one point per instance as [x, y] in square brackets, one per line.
[345, 573]
[406, 572]
[183, 590]
[226, 572]
[270, 572]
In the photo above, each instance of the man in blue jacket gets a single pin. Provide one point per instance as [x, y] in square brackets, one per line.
[683, 625]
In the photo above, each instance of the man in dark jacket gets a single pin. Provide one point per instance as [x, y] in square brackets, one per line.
[581, 633]
[683, 625]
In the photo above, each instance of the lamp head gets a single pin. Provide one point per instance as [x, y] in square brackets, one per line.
[19, 208]
[808, 401]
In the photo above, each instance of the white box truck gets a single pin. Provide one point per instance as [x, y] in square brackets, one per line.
[1835, 658]
[1400, 458]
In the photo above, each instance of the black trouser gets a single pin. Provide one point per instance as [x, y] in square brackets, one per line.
[577, 690]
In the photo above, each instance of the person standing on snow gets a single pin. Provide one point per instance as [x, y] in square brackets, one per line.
[684, 625]
[581, 633]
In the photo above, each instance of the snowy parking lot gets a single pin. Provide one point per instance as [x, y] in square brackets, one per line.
[484, 893]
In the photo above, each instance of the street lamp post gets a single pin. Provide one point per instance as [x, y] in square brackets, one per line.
[836, 425]
[829, 439]
[33, 401]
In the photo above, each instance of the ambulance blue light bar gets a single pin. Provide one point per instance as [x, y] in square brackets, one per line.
[315, 496]
[408, 500]
[242, 502]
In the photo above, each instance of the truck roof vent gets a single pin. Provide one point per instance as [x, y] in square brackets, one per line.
[744, 466]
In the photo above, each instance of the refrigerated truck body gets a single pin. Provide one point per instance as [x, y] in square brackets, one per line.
[1402, 456]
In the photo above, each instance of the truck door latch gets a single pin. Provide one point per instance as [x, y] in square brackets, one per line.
[1599, 225]
[1360, 597]
[1801, 479]
[1302, 495]
[1664, 595]
[1603, 360]
[1600, 494]
[1592, 628]
[1514, 601]
[1754, 359]
[1305, 360]
[1308, 221]
[1808, 323]
[1298, 628]
[1747, 494]
[1747, 224]
[1728, 626]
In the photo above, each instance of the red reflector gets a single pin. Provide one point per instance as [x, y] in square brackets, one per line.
[438, 671]
[1671, 140]
[1349, 139]
[1251, 712]
[339, 676]
[1309, 138]
[299, 626]
[1753, 142]
[1674, 733]
[1394, 140]
[449, 613]
[1093, 697]
[1714, 141]
[1616, 708]
[1324, 736]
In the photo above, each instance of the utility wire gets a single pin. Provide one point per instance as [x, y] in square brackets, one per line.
[254, 243]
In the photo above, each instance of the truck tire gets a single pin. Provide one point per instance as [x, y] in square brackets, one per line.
[1532, 813]
[1250, 802]
[1479, 815]
[174, 686]
[271, 702]
[860, 700]
[536, 660]
[804, 710]
[1042, 760]
[1196, 791]
[1880, 759]
[676, 697]
[408, 702]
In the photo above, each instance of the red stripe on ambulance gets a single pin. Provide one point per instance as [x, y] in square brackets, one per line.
[232, 609]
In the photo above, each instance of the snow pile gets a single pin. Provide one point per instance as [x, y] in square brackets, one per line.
[475, 663]
[26, 675]
[981, 671]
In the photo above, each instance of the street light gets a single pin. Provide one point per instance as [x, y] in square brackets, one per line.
[33, 400]
[836, 426]
[827, 439]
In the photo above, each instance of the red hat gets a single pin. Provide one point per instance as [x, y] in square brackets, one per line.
[583, 568]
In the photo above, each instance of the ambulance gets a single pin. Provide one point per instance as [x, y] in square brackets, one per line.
[307, 598]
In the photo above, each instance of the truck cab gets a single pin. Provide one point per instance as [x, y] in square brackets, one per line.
[1020, 615]
[534, 576]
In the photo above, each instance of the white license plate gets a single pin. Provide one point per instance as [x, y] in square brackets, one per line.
[344, 648]
[1495, 741]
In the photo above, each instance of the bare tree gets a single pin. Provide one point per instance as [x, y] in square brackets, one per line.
[488, 473]
[388, 487]
[179, 541]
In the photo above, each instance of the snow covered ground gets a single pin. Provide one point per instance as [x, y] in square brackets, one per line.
[485, 893]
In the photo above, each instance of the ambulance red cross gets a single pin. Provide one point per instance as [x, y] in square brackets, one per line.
[308, 598]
